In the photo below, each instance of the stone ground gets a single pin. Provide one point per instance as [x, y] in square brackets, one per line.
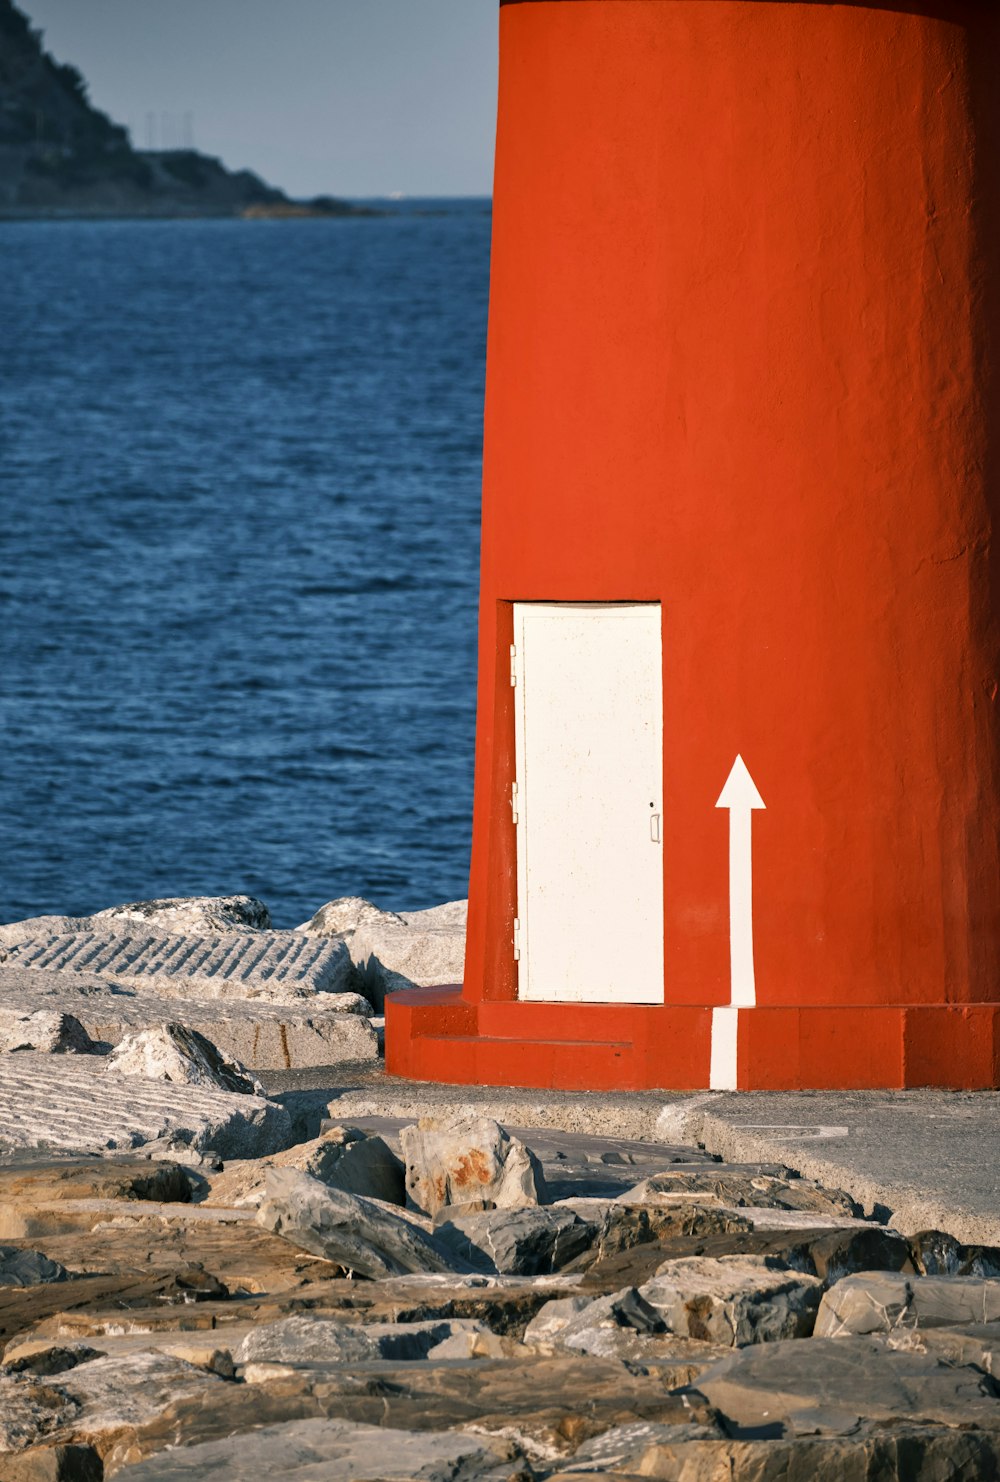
[364, 1280]
[920, 1159]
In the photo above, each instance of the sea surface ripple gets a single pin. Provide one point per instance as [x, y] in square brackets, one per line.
[239, 525]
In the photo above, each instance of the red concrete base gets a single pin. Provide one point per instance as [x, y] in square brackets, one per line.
[434, 1034]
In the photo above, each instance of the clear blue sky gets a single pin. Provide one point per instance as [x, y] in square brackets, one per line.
[349, 97]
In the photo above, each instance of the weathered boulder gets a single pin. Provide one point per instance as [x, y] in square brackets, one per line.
[734, 1300]
[27, 1267]
[557, 1317]
[340, 1158]
[343, 916]
[453, 1162]
[75, 1104]
[172, 1052]
[196, 913]
[200, 915]
[338, 1451]
[104, 1402]
[881, 1301]
[517, 1242]
[276, 966]
[829, 1385]
[348, 1160]
[934, 1253]
[621, 1326]
[622, 1227]
[838, 1253]
[44, 1030]
[387, 957]
[360, 1234]
[316, 1339]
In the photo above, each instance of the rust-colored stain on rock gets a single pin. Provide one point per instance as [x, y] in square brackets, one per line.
[473, 1167]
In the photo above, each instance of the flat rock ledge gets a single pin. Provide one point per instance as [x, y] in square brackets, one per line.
[78, 1104]
[325, 1029]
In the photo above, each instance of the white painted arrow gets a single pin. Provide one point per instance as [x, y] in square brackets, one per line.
[740, 796]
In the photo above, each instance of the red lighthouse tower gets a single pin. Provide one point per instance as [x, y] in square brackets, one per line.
[737, 809]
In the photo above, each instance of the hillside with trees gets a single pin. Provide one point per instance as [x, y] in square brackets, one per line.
[61, 156]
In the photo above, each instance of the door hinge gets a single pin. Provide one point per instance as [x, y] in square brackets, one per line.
[513, 665]
[513, 802]
[517, 939]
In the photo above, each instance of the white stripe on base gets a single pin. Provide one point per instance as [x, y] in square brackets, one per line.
[722, 1067]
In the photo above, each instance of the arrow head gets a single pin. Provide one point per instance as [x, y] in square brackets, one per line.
[740, 790]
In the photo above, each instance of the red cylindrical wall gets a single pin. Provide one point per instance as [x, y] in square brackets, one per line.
[743, 362]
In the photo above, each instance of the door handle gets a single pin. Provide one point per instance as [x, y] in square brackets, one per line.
[654, 827]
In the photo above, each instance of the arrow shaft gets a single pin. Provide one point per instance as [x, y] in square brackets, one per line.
[744, 988]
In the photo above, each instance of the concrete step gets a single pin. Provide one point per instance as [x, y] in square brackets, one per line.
[481, 1059]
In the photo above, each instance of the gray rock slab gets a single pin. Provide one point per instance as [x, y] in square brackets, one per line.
[334, 1451]
[261, 1036]
[452, 914]
[325, 1029]
[388, 957]
[916, 1155]
[977, 1344]
[733, 1300]
[360, 1234]
[27, 1267]
[900, 1453]
[97, 1401]
[73, 1104]
[831, 1384]
[623, 1449]
[277, 965]
[619, 1326]
[880, 1301]
[518, 1242]
[311, 1338]
[453, 1161]
[747, 1189]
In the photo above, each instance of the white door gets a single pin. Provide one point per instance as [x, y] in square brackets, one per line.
[589, 765]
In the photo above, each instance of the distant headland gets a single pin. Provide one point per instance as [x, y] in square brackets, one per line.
[62, 157]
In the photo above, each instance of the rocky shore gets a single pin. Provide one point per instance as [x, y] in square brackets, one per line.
[205, 1275]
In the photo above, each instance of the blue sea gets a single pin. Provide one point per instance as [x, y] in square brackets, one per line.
[239, 527]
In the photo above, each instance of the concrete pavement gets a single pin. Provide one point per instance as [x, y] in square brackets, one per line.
[920, 1159]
